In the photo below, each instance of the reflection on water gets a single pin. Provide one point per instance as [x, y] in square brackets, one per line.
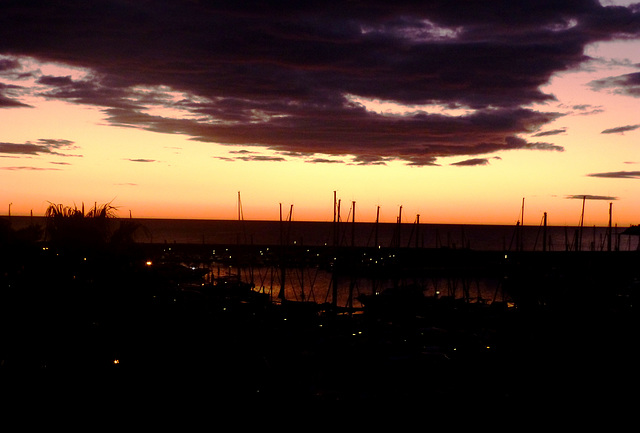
[313, 284]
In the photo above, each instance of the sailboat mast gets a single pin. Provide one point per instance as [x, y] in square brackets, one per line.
[521, 246]
[584, 199]
[544, 236]
[281, 294]
[353, 224]
[334, 280]
[399, 226]
[377, 220]
[609, 229]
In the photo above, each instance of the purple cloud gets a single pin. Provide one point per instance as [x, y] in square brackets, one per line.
[140, 160]
[620, 129]
[283, 76]
[617, 175]
[42, 147]
[628, 84]
[590, 197]
[472, 162]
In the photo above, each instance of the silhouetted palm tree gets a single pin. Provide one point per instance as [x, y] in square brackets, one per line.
[71, 227]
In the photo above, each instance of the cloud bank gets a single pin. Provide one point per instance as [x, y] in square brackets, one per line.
[287, 75]
[46, 146]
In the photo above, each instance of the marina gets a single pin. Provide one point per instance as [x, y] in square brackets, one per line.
[290, 320]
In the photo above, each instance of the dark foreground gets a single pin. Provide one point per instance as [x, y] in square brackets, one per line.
[112, 328]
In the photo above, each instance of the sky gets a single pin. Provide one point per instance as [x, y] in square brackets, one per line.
[450, 111]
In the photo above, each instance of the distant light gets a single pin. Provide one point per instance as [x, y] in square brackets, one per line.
[149, 263]
[116, 361]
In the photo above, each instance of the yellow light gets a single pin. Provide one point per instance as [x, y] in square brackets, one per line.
[149, 263]
[116, 361]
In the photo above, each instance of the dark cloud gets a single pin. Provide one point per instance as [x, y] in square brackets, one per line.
[281, 75]
[586, 109]
[56, 81]
[261, 158]
[25, 168]
[53, 143]
[8, 64]
[370, 160]
[617, 175]
[8, 95]
[551, 132]
[472, 162]
[42, 147]
[628, 84]
[417, 139]
[620, 129]
[11, 103]
[324, 161]
[590, 197]
[91, 91]
[140, 160]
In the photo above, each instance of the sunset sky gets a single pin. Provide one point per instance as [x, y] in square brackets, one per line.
[454, 110]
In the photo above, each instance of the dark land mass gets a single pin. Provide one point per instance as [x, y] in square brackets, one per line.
[97, 320]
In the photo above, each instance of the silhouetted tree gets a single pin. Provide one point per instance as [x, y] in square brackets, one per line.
[71, 227]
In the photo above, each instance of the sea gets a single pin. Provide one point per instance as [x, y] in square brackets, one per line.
[315, 284]
[370, 234]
